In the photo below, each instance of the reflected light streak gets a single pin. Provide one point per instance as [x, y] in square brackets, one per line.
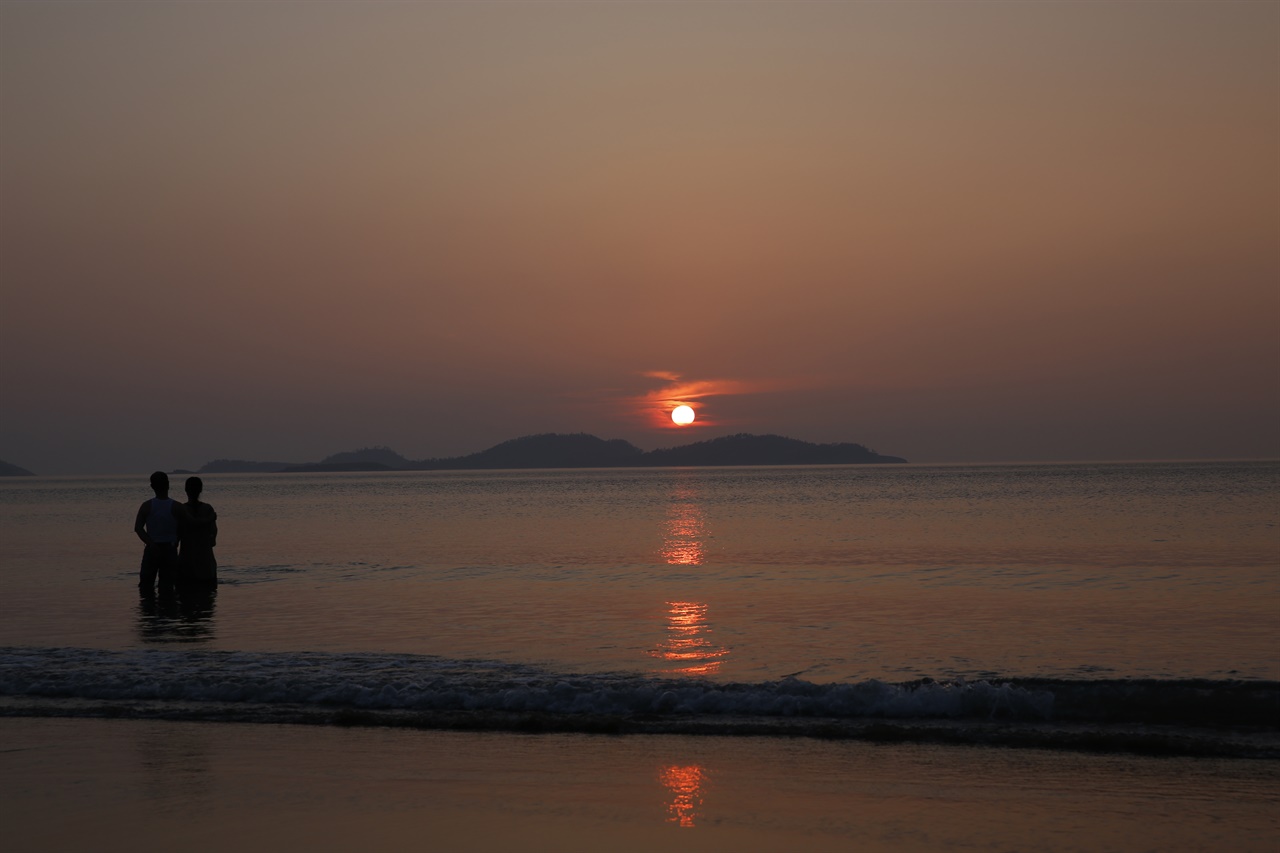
[685, 785]
[688, 646]
[684, 531]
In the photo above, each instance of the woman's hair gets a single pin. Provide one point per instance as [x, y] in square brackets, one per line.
[194, 486]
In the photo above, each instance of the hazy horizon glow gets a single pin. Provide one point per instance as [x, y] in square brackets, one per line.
[950, 232]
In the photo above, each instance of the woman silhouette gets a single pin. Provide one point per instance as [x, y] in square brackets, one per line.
[197, 534]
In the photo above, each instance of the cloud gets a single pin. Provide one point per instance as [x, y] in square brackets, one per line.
[655, 405]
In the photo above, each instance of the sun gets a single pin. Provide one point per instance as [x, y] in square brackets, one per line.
[682, 415]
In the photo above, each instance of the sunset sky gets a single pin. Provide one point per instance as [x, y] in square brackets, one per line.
[955, 231]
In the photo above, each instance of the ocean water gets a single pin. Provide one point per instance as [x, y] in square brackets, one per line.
[1113, 607]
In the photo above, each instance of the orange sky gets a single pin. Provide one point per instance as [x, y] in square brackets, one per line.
[950, 231]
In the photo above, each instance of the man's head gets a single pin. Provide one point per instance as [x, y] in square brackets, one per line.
[160, 482]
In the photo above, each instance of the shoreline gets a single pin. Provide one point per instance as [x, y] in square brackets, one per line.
[137, 785]
[1133, 740]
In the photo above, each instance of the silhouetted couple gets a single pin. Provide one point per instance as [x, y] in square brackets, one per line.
[179, 539]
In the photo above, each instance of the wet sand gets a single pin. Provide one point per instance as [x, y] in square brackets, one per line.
[127, 785]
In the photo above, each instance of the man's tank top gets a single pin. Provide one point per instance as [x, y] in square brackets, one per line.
[162, 525]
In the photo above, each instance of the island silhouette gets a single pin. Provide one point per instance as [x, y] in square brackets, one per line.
[580, 450]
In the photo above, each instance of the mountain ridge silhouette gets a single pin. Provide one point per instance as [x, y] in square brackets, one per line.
[581, 450]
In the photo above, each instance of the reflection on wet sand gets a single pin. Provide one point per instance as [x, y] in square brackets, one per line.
[178, 618]
[688, 647]
[685, 785]
[176, 767]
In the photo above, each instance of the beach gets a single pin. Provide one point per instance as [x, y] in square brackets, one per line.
[1052, 657]
[734, 425]
[129, 785]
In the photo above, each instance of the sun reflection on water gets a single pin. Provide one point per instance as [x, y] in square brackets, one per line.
[688, 647]
[685, 530]
[685, 784]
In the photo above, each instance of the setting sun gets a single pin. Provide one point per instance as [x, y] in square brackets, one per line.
[682, 415]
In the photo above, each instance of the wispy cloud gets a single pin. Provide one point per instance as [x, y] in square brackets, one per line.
[655, 405]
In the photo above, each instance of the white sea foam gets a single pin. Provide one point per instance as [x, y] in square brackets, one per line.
[1181, 717]
[403, 682]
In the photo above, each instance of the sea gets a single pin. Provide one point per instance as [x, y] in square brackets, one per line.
[1067, 610]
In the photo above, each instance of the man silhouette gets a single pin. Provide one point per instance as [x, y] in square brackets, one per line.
[157, 527]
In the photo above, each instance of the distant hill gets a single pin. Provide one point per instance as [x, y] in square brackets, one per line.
[550, 450]
[7, 470]
[367, 459]
[745, 449]
[242, 466]
[339, 466]
[579, 450]
[384, 456]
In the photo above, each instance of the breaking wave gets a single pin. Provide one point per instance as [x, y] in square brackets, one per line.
[1201, 717]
